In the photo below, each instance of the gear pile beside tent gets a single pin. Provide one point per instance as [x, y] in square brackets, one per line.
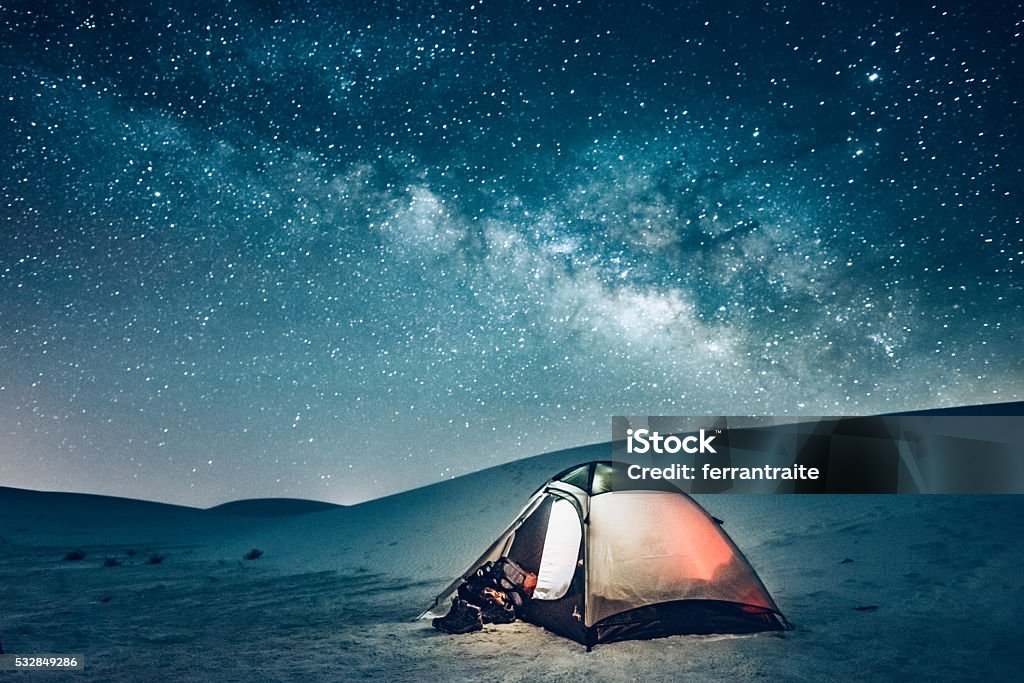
[598, 557]
[493, 594]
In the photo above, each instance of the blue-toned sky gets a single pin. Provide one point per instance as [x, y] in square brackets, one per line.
[258, 249]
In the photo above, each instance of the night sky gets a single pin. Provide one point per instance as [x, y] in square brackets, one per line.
[250, 249]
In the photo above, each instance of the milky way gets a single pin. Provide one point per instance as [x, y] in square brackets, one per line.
[336, 253]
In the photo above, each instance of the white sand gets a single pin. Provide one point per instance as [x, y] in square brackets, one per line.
[335, 595]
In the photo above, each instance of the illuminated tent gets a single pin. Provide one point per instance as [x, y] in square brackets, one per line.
[618, 559]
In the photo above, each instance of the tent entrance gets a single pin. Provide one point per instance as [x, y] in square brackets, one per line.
[560, 552]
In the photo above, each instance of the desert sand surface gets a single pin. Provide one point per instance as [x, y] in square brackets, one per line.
[891, 587]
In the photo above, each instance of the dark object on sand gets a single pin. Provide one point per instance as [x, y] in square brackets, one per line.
[74, 555]
[254, 554]
[490, 595]
[155, 559]
[866, 608]
[461, 618]
[111, 562]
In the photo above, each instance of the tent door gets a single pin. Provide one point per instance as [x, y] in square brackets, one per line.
[561, 551]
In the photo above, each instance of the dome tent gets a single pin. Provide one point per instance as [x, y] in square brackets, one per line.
[619, 559]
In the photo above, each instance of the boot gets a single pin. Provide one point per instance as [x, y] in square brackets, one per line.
[461, 618]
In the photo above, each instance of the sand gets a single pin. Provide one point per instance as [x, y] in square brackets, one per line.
[878, 588]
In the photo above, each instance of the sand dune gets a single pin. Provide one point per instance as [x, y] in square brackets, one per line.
[914, 587]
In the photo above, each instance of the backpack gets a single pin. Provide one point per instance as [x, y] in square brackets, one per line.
[506, 576]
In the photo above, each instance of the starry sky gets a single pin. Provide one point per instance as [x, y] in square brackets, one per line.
[339, 250]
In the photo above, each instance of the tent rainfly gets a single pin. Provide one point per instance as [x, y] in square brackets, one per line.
[619, 559]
